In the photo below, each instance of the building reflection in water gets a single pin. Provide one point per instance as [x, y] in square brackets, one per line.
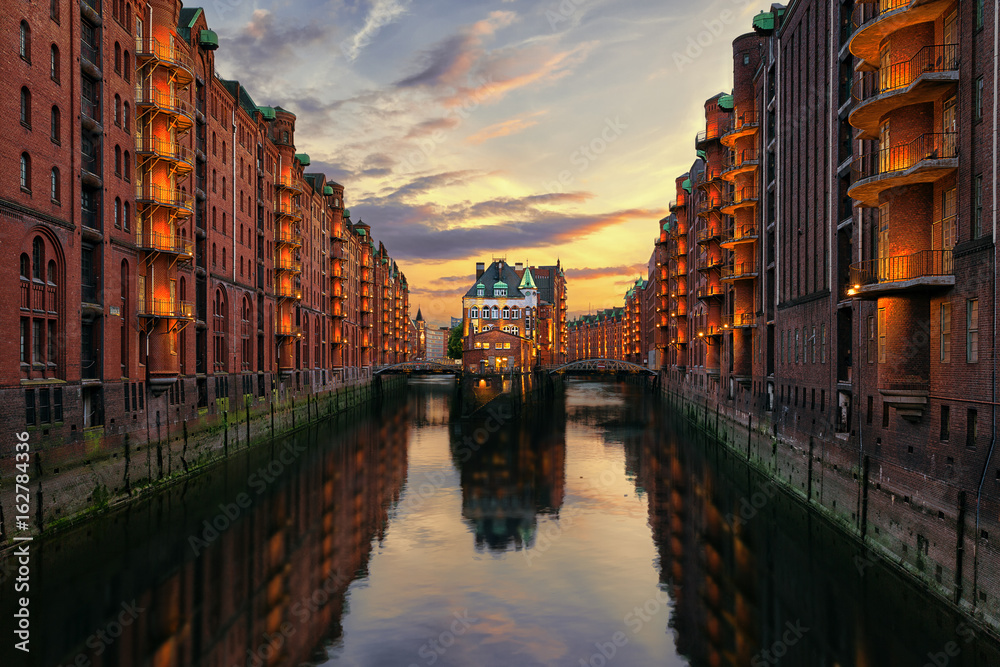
[512, 465]
[267, 588]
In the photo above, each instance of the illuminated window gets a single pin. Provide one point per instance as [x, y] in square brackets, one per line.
[972, 331]
[881, 335]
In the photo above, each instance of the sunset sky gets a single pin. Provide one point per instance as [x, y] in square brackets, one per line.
[464, 130]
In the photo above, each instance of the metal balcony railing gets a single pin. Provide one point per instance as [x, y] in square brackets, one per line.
[740, 232]
[90, 52]
[288, 330]
[742, 120]
[736, 159]
[739, 270]
[869, 12]
[739, 195]
[171, 150]
[937, 146]
[289, 237]
[921, 264]
[147, 94]
[930, 59]
[288, 265]
[149, 194]
[737, 320]
[170, 308]
[169, 243]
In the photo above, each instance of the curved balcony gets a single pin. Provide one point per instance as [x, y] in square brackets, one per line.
[709, 234]
[288, 265]
[288, 292]
[679, 249]
[874, 21]
[739, 271]
[166, 308]
[708, 205]
[711, 292]
[679, 270]
[677, 204]
[737, 234]
[744, 124]
[149, 97]
[288, 183]
[157, 195]
[926, 159]
[709, 262]
[740, 198]
[739, 321]
[287, 210]
[740, 162]
[927, 268]
[925, 77]
[710, 177]
[288, 238]
[180, 157]
[149, 50]
[708, 135]
[165, 243]
[287, 331]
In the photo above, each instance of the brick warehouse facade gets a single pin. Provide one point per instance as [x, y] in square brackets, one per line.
[829, 273]
[174, 255]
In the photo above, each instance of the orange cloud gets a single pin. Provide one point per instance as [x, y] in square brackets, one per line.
[505, 128]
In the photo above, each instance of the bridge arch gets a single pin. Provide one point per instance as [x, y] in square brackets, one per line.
[601, 366]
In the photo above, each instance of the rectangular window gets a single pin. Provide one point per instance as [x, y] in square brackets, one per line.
[37, 350]
[822, 343]
[57, 403]
[977, 212]
[885, 415]
[796, 346]
[945, 332]
[881, 335]
[979, 14]
[871, 339]
[51, 342]
[25, 354]
[871, 410]
[971, 428]
[978, 102]
[972, 331]
[812, 346]
[29, 407]
[945, 422]
[44, 409]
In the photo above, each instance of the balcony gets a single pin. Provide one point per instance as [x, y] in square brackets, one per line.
[708, 204]
[739, 271]
[288, 292]
[287, 210]
[151, 50]
[157, 195]
[708, 235]
[709, 262]
[711, 292]
[181, 157]
[91, 54]
[924, 78]
[289, 265]
[677, 204]
[928, 268]
[148, 96]
[288, 237]
[166, 308]
[288, 183]
[737, 234]
[679, 249]
[740, 198]
[744, 124]
[287, 330]
[172, 244]
[926, 159]
[708, 135]
[739, 321]
[740, 162]
[90, 110]
[679, 310]
[874, 21]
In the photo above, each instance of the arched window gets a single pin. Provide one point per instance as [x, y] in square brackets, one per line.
[223, 258]
[496, 313]
[128, 66]
[118, 213]
[474, 313]
[118, 161]
[54, 63]
[125, 118]
[505, 314]
[515, 313]
[54, 10]
[220, 326]
[213, 256]
[25, 266]
[55, 124]
[125, 336]
[241, 266]
[25, 41]
[125, 216]
[118, 58]
[246, 315]
[25, 107]
[37, 257]
[26, 172]
[128, 167]
[223, 186]
[42, 331]
[54, 184]
[118, 110]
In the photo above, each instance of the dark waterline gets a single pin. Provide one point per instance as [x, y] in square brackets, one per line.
[590, 530]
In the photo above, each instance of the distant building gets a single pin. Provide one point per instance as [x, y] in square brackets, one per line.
[437, 342]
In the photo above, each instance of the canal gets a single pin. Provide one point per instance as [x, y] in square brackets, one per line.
[589, 530]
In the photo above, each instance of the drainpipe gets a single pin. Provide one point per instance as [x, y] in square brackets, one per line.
[993, 377]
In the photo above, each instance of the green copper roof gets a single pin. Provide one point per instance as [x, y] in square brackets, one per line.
[666, 226]
[726, 103]
[501, 284]
[347, 212]
[764, 22]
[267, 112]
[527, 281]
[303, 158]
[361, 232]
[327, 190]
[687, 185]
[207, 39]
[703, 155]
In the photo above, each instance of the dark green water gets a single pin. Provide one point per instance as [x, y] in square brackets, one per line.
[589, 531]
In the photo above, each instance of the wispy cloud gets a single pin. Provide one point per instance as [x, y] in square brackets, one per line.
[604, 272]
[505, 128]
[381, 14]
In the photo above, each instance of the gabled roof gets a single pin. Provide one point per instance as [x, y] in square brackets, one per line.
[499, 275]
[527, 282]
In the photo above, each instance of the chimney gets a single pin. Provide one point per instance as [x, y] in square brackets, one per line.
[519, 267]
[480, 270]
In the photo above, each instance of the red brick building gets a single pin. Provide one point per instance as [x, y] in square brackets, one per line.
[171, 248]
[830, 265]
[495, 350]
